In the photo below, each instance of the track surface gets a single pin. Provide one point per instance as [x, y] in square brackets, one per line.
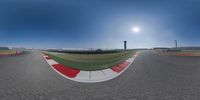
[150, 77]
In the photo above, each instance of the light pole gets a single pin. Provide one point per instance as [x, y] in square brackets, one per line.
[125, 45]
[175, 44]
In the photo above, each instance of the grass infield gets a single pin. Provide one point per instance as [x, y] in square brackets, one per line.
[183, 53]
[189, 52]
[90, 62]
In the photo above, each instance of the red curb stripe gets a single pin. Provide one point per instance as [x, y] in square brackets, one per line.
[118, 68]
[70, 72]
[48, 58]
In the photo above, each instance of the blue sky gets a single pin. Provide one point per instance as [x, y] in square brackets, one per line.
[99, 23]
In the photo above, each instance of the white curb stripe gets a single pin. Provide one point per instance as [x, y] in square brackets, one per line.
[83, 76]
[97, 75]
[130, 59]
[52, 62]
[45, 56]
[109, 72]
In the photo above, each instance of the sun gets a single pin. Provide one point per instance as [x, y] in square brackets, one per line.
[136, 29]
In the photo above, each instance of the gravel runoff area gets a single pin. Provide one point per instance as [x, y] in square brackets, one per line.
[7, 52]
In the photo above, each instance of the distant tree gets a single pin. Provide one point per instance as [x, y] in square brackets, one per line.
[99, 50]
[4, 48]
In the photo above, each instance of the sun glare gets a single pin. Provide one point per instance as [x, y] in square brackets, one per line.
[136, 29]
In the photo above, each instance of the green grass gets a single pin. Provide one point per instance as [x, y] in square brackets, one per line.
[90, 61]
[184, 53]
[188, 52]
[7, 52]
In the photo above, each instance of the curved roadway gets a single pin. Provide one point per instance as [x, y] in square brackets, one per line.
[150, 77]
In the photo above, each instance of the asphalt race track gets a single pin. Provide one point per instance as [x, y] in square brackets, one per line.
[150, 77]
